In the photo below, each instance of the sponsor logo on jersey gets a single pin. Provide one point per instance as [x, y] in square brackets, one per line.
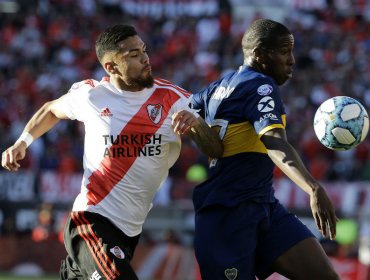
[106, 113]
[117, 252]
[270, 116]
[231, 273]
[95, 276]
[132, 145]
[154, 112]
[266, 104]
[265, 89]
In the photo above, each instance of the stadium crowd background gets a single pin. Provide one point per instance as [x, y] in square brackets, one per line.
[47, 45]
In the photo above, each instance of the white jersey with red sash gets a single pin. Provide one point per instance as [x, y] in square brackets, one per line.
[129, 147]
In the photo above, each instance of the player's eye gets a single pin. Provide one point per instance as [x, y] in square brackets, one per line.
[285, 51]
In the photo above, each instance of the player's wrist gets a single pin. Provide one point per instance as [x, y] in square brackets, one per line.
[26, 138]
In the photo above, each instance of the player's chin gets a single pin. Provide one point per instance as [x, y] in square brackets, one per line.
[146, 75]
[284, 78]
[146, 81]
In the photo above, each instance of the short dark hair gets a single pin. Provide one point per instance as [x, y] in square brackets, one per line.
[263, 33]
[108, 40]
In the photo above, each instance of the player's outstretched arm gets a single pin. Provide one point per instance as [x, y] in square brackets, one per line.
[288, 160]
[41, 122]
[207, 139]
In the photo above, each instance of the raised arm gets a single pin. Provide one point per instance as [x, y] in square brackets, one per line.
[207, 139]
[41, 122]
[288, 160]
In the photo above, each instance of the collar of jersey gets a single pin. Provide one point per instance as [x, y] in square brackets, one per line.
[139, 93]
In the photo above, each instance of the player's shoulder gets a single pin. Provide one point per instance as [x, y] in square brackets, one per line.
[252, 76]
[260, 84]
[167, 85]
[85, 85]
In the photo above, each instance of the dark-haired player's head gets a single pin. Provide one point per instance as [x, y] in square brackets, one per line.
[124, 57]
[268, 47]
[108, 40]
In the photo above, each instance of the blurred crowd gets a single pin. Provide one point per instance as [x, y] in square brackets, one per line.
[48, 45]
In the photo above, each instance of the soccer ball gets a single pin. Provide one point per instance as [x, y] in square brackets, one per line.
[341, 123]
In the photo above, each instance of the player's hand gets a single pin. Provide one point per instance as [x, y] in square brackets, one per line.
[323, 212]
[183, 121]
[12, 155]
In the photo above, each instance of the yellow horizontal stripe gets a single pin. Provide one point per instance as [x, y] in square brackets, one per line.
[242, 138]
[267, 128]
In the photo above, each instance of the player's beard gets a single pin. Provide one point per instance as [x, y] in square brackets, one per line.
[145, 82]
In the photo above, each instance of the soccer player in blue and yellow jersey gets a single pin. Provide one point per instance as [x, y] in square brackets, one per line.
[241, 229]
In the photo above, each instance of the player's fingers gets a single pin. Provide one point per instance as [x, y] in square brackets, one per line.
[12, 157]
[5, 160]
[176, 127]
[183, 128]
[178, 118]
[324, 225]
[331, 230]
[332, 222]
[180, 127]
[175, 119]
[192, 121]
[318, 222]
[315, 217]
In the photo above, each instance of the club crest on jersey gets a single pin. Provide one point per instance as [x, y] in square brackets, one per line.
[117, 252]
[265, 89]
[154, 112]
[231, 273]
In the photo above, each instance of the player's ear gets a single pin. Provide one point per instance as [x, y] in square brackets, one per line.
[258, 55]
[109, 67]
[262, 56]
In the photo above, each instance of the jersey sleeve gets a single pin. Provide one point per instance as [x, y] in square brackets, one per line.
[184, 103]
[264, 108]
[75, 101]
[197, 103]
[199, 99]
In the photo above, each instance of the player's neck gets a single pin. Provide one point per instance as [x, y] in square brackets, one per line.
[121, 85]
[254, 65]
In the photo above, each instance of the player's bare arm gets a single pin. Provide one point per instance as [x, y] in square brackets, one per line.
[207, 140]
[41, 122]
[288, 160]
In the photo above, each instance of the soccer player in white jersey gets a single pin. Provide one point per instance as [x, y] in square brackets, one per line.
[133, 124]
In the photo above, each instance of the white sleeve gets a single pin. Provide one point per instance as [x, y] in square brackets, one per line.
[184, 104]
[74, 102]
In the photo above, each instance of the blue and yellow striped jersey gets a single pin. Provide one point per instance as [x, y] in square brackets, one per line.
[242, 106]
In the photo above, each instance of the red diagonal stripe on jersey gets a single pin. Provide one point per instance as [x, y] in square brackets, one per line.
[111, 169]
[162, 82]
